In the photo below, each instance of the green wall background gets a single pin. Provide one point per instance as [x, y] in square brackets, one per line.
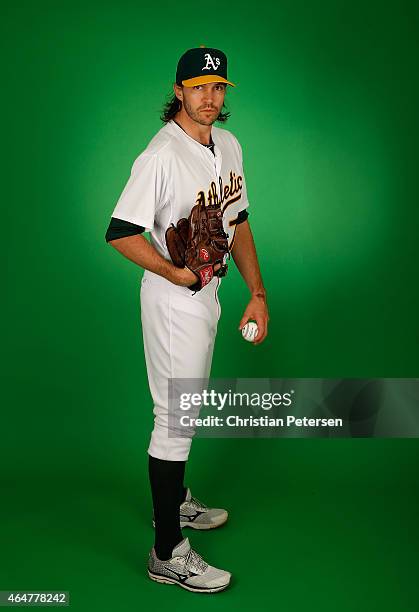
[326, 112]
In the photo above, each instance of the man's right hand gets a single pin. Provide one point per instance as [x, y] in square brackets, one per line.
[139, 250]
[184, 277]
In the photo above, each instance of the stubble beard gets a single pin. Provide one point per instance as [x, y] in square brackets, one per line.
[199, 117]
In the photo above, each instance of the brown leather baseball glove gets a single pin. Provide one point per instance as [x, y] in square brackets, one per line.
[199, 243]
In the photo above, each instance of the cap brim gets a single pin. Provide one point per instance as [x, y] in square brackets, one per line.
[208, 78]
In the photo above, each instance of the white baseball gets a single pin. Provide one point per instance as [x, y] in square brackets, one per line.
[250, 331]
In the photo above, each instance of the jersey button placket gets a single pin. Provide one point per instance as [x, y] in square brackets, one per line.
[217, 164]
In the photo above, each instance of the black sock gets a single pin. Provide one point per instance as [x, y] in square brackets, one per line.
[166, 480]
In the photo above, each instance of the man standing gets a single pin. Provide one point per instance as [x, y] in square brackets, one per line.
[188, 161]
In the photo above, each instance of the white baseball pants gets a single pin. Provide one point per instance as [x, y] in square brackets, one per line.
[179, 330]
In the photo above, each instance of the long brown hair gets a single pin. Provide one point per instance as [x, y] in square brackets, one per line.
[173, 106]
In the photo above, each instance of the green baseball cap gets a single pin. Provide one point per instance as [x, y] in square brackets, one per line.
[202, 65]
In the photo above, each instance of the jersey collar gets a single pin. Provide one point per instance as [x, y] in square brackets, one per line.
[182, 132]
[208, 155]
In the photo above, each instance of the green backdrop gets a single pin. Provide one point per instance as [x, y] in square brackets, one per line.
[326, 112]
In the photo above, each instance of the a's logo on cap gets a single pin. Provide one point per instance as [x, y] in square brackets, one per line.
[211, 63]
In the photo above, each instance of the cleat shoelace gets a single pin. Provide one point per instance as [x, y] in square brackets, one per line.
[197, 504]
[195, 563]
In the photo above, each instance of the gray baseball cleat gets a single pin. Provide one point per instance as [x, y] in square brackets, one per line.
[187, 569]
[197, 515]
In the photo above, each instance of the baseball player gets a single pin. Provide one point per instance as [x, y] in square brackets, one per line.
[188, 161]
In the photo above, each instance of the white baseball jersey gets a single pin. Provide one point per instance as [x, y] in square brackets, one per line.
[179, 326]
[175, 172]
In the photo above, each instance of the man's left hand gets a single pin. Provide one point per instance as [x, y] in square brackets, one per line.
[257, 309]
